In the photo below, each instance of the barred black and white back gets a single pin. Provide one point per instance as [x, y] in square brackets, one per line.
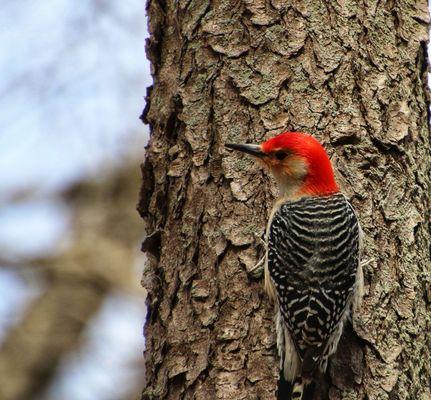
[314, 273]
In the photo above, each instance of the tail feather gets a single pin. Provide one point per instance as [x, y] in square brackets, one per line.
[308, 392]
[297, 376]
[311, 361]
[298, 389]
[284, 388]
[303, 389]
[304, 385]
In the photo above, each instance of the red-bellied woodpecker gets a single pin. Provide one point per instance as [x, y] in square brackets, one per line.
[312, 268]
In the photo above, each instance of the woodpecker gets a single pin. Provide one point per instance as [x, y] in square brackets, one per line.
[312, 265]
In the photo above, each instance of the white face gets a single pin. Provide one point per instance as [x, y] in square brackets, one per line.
[290, 172]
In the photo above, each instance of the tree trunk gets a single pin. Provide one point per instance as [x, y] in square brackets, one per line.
[354, 75]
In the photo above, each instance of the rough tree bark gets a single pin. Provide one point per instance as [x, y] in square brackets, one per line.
[352, 73]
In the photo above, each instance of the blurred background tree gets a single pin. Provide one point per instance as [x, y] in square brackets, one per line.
[71, 310]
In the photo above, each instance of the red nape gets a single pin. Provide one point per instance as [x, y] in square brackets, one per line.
[320, 177]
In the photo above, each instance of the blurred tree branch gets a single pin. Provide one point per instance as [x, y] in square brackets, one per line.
[100, 259]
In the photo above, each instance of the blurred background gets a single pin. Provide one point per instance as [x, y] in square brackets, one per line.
[72, 86]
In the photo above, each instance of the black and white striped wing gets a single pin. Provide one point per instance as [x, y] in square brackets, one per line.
[313, 258]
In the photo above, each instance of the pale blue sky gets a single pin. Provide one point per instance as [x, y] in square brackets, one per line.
[72, 88]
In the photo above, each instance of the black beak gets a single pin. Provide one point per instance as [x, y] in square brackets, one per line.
[253, 149]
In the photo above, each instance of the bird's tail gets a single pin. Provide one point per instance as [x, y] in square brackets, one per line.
[303, 389]
[303, 386]
[284, 388]
[300, 389]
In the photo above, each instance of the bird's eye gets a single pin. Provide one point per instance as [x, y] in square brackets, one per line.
[280, 155]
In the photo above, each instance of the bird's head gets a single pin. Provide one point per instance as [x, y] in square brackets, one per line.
[298, 162]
